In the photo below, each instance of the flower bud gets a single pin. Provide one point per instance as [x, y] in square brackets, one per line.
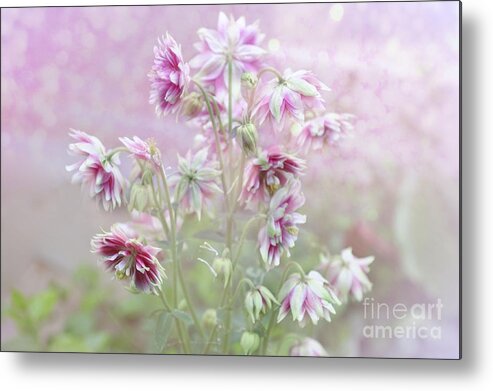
[209, 319]
[192, 104]
[182, 305]
[258, 301]
[249, 342]
[139, 198]
[223, 266]
[249, 80]
[247, 136]
[147, 176]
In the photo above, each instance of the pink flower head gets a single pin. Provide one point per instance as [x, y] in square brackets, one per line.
[96, 170]
[268, 172]
[235, 40]
[323, 131]
[285, 100]
[281, 231]
[308, 347]
[129, 259]
[169, 76]
[142, 150]
[307, 295]
[348, 274]
[195, 182]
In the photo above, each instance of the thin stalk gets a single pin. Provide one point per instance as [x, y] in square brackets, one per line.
[178, 273]
[218, 144]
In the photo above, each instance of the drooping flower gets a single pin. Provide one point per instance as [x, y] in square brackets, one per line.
[268, 172]
[130, 259]
[324, 131]
[232, 40]
[258, 301]
[284, 100]
[169, 76]
[307, 296]
[308, 347]
[146, 151]
[97, 170]
[281, 229]
[347, 274]
[195, 182]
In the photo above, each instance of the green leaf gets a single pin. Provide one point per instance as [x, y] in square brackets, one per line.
[43, 304]
[181, 315]
[19, 301]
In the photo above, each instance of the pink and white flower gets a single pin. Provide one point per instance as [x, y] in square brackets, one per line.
[281, 229]
[96, 170]
[232, 40]
[129, 259]
[142, 150]
[265, 174]
[347, 274]
[284, 100]
[324, 131]
[258, 301]
[308, 347]
[307, 296]
[195, 182]
[169, 76]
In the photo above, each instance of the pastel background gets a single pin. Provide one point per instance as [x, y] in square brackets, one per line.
[391, 190]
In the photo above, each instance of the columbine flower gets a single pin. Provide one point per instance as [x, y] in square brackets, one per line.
[234, 40]
[307, 295]
[308, 347]
[129, 259]
[258, 301]
[323, 131]
[281, 231]
[267, 173]
[195, 181]
[348, 274]
[97, 170]
[169, 76]
[285, 99]
[146, 151]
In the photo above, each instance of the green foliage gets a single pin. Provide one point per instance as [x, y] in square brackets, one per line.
[89, 314]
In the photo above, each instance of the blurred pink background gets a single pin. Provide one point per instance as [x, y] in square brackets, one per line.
[392, 188]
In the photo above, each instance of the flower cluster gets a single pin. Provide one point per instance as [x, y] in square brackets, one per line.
[246, 161]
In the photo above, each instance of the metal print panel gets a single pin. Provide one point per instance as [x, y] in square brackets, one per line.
[264, 179]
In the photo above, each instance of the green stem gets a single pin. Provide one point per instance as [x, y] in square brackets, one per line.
[218, 144]
[178, 273]
[230, 95]
[242, 239]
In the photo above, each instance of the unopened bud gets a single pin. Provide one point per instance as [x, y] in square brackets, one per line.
[209, 319]
[182, 305]
[223, 266]
[249, 80]
[139, 197]
[249, 342]
[192, 104]
[247, 136]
